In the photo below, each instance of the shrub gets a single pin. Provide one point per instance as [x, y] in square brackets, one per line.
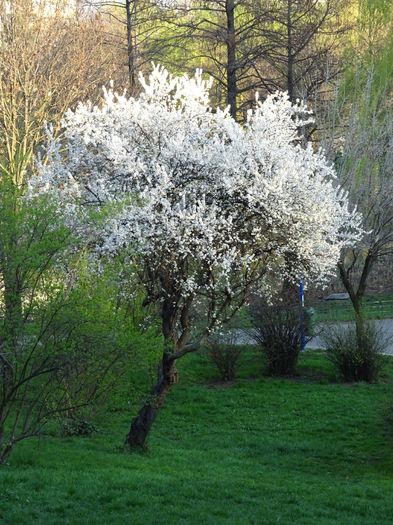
[354, 359]
[225, 355]
[277, 333]
[77, 427]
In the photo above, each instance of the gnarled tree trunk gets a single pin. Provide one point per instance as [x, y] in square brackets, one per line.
[142, 423]
[174, 348]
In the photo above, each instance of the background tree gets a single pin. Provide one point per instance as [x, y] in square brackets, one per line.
[248, 45]
[359, 136]
[365, 168]
[130, 29]
[224, 38]
[305, 37]
[49, 59]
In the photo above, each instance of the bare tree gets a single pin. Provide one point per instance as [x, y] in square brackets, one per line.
[51, 56]
[246, 45]
[305, 37]
[48, 61]
[223, 37]
[130, 29]
[249, 45]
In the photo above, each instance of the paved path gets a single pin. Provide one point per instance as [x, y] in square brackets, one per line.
[385, 325]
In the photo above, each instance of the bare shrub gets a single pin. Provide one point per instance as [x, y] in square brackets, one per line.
[226, 358]
[355, 357]
[277, 333]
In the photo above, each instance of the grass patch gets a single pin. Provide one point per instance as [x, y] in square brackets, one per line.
[375, 307]
[301, 450]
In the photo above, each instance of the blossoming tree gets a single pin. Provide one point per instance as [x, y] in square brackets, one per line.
[204, 208]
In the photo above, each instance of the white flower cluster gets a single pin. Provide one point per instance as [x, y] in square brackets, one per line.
[199, 201]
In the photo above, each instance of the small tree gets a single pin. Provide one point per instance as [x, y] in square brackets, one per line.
[360, 139]
[32, 242]
[58, 344]
[204, 208]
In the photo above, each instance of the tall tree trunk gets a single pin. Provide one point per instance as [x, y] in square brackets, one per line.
[290, 60]
[231, 57]
[130, 12]
[142, 423]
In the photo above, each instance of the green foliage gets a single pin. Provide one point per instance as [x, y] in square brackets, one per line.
[32, 243]
[109, 331]
[77, 427]
[66, 333]
[378, 10]
[367, 78]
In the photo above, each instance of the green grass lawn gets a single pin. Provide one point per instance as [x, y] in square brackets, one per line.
[305, 450]
[375, 307]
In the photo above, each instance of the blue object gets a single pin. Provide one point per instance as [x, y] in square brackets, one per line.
[302, 317]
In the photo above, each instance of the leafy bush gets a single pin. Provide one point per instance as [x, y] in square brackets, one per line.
[77, 427]
[355, 358]
[66, 340]
[277, 333]
[108, 351]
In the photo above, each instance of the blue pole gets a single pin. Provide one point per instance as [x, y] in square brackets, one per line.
[302, 318]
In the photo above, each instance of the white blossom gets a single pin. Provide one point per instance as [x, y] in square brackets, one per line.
[203, 204]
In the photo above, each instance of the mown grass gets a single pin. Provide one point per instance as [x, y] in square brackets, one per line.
[374, 307]
[303, 450]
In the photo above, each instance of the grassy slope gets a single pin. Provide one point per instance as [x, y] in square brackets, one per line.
[262, 451]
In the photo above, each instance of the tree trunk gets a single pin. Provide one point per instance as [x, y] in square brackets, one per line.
[231, 57]
[130, 11]
[357, 296]
[142, 423]
[290, 81]
[13, 307]
[359, 324]
[5, 448]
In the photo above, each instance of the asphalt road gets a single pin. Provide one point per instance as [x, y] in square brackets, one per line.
[383, 325]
